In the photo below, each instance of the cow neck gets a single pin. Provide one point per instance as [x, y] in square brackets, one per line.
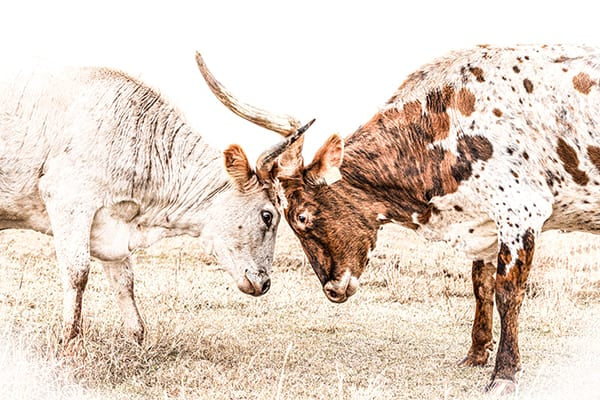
[191, 183]
[386, 167]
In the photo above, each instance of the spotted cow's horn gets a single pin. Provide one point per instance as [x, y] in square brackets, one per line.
[268, 157]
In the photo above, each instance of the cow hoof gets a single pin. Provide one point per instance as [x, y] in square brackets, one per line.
[75, 348]
[500, 387]
[477, 358]
[138, 334]
[473, 361]
[139, 337]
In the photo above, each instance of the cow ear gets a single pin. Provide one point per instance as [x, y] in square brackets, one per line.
[238, 168]
[325, 167]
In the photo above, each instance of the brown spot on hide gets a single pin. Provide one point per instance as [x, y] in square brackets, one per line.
[478, 73]
[447, 94]
[594, 155]
[504, 259]
[449, 183]
[435, 102]
[525, 254]
[528, 85]
[475, 147]
[516, 69]
[464, 101]
[561, 59]
[431, 123]
[570, 161]
[412, 112]
[440, 123]
[497, 112]
[583, 83]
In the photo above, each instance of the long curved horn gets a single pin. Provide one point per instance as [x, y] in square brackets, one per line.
[265, 161]
[283, 124]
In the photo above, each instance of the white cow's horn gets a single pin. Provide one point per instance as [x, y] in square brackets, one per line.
[283, 124]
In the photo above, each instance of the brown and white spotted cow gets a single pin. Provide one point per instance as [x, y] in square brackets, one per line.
[484, 148]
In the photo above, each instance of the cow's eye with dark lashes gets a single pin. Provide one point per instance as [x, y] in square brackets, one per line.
[302, 218]
[267, 217]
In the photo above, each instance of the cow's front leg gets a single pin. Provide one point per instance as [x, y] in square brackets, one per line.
[71, 211]
[514, 263]
[71, 229]
[482, 275]
[120, 275]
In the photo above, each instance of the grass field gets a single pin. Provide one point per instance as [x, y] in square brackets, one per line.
[399, 337]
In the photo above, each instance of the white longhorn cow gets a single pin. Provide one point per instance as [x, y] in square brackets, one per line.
[103, 163]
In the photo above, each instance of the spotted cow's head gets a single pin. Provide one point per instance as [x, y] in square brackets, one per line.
[336, 235]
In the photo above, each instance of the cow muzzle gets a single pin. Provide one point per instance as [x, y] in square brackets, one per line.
[255, 284]
[338, 291]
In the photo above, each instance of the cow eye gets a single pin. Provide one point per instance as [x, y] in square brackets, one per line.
[267, 217]
[302, 218]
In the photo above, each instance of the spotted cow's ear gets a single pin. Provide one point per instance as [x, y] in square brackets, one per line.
[325, 167]
[238, 168]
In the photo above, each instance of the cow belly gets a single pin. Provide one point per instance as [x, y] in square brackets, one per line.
[26, 212]
[576, 207]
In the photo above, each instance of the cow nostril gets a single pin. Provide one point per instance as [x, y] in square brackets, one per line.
[266, 285]
[332, 294]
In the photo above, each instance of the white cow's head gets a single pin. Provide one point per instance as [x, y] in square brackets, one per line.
[248, 211]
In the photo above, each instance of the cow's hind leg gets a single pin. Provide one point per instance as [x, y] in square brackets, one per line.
[481, 335]
[120, 275]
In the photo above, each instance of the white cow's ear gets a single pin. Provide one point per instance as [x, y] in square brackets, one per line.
[325, 167]
[238, 168]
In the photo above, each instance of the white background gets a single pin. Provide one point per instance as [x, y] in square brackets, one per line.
[336, 62]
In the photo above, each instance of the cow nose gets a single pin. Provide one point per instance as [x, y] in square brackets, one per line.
[261, 283]
[338, 291]
[335, 293]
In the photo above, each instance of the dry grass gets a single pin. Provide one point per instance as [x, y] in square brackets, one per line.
[399, 337]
